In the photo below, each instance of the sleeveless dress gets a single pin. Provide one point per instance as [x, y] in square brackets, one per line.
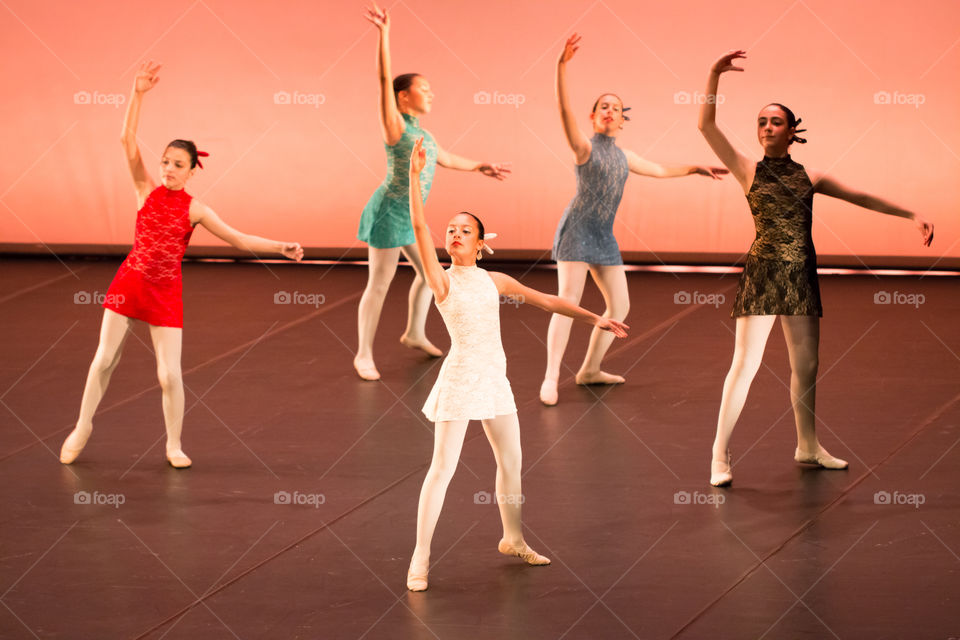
[148, 285]
[472, 384]
[780, 275]
[585, 232]
[385, 221]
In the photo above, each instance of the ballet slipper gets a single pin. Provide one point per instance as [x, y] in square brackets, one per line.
[821, 458]
[423, 344]
[178, 459]
[366, 370]
[525, 553]
[720, 472]
[417, 581]
[599, 377]
[72, 446]
[548, 392]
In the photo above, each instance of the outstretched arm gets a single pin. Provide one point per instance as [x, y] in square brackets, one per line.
[391, 122]
[204, 215]
[508, 286]
[436, 277]
[822, 183]
[498, 170]
[644, 167]
[144, 80]
[738, 164]
[578, 142]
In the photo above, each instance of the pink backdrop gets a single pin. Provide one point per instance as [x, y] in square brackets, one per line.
[304, 171]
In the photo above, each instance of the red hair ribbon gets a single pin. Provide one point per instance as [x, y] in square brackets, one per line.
[201, 154]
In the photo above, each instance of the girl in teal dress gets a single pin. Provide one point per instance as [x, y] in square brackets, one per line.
[385, 222]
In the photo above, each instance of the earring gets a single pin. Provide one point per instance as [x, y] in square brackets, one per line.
[479, 255]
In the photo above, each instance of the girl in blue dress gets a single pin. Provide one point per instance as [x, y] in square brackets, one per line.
[385, 222]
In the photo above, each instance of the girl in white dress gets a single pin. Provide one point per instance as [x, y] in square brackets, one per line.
[472, 384]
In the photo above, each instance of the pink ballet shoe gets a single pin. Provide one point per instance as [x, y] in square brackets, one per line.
[525, 553]
[417, 581]
[178, 459]
[548, 393]
[366, 371]
[72, 446]
[720, 473]
[821, 458]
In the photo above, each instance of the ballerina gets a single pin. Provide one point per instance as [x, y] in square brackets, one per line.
[148, 285]
[780, 274]
[385, 222]
[472, 384]
[584, 240]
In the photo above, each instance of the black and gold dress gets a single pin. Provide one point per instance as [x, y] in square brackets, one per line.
[780, 275]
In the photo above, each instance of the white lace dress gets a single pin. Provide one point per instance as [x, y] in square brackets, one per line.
[472, 384]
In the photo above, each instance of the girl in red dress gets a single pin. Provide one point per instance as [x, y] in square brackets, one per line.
[148, 284]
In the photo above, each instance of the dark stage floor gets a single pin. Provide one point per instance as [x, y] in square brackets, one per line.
[615, 478]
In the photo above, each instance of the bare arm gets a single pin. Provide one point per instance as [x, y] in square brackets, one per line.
[447, 160]
[739, 165]
[204, 215]
[144, 80]
[822, 183]
[436, 277]
[391, 122]
[508, 286]
[644, 167]
[578, 142]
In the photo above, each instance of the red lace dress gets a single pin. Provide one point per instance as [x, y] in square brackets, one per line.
[148, 286]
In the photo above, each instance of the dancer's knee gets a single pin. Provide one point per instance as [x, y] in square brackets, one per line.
[170, 377]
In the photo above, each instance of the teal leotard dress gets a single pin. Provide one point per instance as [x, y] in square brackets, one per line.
[385, 221]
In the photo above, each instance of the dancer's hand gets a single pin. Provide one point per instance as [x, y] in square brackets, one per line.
[500, 170]
[378, 17]
[725, 63]
[615, 327]
[570, 48]
[712, 172]
[418, 157]
[292, 250]
[926, 229]
[146, 77]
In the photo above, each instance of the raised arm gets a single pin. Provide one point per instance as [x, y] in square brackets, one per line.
[447, 160]
[391, 122]
[436, 277]
[511, 288]
[738, 164]
[575, 138]
[145, 79]
[204, 215]
[822, 183]
[644, 167]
